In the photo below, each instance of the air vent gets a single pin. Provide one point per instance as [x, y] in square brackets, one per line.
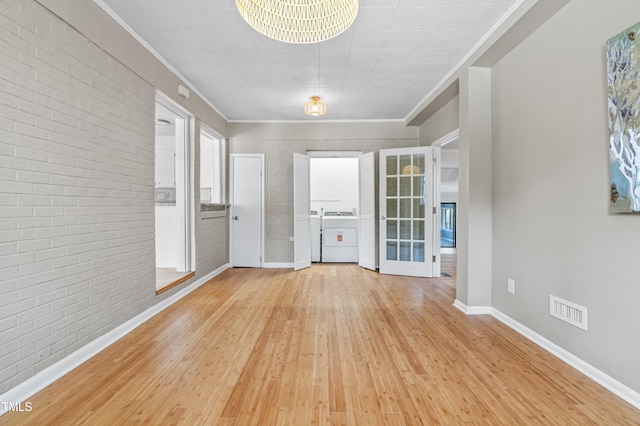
[568, 312]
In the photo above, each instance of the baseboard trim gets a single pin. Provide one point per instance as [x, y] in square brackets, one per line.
[603, 379]
[52, 373]
[472, 310]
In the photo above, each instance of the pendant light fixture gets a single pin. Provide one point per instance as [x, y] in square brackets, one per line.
[315, 106]
[299, 21]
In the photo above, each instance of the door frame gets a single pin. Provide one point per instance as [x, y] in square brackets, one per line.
[432, 215]
[184, 183]
[262, 204]
[314, 154]
[301, 211]
[367, 253]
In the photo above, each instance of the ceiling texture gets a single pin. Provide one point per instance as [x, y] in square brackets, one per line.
[381, 68]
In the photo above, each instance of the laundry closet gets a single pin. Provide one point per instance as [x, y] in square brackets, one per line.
[335, 198]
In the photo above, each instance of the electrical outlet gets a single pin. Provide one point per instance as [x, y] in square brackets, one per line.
[511, 286]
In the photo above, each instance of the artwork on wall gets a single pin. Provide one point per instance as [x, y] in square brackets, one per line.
[623, 75]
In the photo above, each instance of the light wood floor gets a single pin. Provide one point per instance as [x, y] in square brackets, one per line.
[332, 344]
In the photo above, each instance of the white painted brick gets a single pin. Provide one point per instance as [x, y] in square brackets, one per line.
[8, 347]
[33, 245]
[7, 249]
[46, 189]
[8, 223]
[76, 150]
[16, 332]
[68, 240]
[51, 254]
[7, 373]
[15, 260]
[8, 175]
[16, 211]
[34, 267]
[31, 154]
[33, 314]
[50, 296]
[64, 261]
[17, 187]
[34, 222]
[50, 275]
[34, 200]
[8, 323]
[51, 232]
[62, 325]
[27, 234]
[65, 344]
[14, 307]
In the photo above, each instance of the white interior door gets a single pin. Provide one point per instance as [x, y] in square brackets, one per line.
[367, 243]
[301, 212]
[407, 212]
[247, 212]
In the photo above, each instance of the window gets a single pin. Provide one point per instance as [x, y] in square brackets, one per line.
[212, 168]
[448, 225]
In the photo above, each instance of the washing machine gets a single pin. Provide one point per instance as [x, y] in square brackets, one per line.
[339, 237]
[315, 235]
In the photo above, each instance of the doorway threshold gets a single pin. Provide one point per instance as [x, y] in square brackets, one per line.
[168, 278]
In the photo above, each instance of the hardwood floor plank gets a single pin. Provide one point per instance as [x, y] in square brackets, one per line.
[331, 345]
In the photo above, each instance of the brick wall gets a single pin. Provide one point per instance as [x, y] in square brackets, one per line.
[76, 191]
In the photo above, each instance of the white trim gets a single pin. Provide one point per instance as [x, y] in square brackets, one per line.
[459, 66]
[50, 374]
[320, 121]
[277, 265]
[472, 310]
[318, 153]
[151, 50]
[449, 137]
[603, 379]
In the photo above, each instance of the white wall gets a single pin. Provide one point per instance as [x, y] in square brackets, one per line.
[166, 240]
[77, 219]
[206, 168]
[552, 232]
[449, 165]
[278, 141]
[77, 183]
[334, 184]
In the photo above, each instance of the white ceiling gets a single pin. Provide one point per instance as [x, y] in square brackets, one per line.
[379, 69]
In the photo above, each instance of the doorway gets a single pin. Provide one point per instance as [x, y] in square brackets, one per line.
[173, 227]
[334, 196]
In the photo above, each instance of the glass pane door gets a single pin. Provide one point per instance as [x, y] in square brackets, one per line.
[406, 208]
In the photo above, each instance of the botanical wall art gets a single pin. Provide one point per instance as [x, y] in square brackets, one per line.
[623, 72]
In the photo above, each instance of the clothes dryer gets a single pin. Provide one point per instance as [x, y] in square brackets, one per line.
[339, 237]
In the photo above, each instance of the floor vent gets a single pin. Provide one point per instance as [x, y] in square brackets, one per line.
[568, 312]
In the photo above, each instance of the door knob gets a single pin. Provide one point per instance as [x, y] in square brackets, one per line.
[383, 218]
[235, 218]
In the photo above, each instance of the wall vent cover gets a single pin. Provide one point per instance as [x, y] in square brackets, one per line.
[568, 311]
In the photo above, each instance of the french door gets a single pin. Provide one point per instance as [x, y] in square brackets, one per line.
[409, 242]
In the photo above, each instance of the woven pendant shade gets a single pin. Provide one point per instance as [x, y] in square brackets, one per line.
[299, 21]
